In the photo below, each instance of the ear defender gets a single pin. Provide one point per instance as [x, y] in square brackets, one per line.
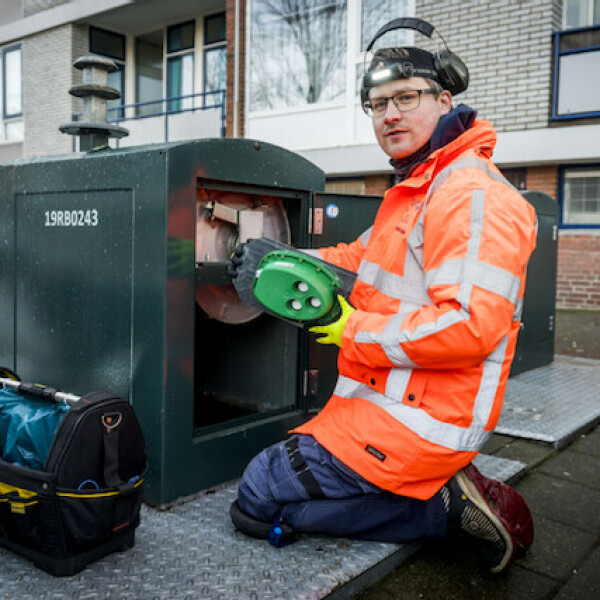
[454, 74]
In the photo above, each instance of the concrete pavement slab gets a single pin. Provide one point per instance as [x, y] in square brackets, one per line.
[574, 466]
[450, 572]
[562, 501]
[530, 453]
[588, 444]
[585, 583]
[557, 548]
[495, 442]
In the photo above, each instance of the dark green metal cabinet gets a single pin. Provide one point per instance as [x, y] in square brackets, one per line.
[535, 344]
[337, 218]
[89, 300]
[98, 278]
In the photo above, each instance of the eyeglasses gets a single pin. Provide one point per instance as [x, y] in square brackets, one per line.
[403, 101]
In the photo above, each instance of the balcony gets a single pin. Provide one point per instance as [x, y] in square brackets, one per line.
[576, 89]
[170, 119]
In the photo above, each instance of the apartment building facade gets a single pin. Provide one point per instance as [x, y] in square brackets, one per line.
[288, 72]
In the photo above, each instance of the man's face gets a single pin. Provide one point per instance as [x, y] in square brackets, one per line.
[401, 133]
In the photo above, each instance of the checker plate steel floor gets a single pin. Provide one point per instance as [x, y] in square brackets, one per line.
[193, 552]
[553, 403]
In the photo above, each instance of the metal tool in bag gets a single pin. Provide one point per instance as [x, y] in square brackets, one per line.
[38, 390]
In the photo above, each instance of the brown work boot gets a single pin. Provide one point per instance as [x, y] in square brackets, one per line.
[490, 511]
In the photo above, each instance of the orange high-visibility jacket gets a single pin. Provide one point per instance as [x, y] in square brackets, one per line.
[426, 356]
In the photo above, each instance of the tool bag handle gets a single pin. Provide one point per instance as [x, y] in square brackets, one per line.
[37, 390]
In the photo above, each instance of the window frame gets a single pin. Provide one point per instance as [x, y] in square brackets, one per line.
[562, 176]
[181, 103]
[207, 48]
[115, 112]
[170, 57]
[558, 53]
[183, 49]
[3, 52]
[340, 101]
[119, 59]
[512, 173]
[204, 29]
[205, 54]
[589, 18]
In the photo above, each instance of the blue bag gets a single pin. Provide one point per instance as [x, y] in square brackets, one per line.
[27, 428]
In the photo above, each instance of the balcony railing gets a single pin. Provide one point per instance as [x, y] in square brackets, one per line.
[576, 89]
[169, 119]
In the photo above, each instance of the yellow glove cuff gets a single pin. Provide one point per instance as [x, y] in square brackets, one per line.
[332, 333]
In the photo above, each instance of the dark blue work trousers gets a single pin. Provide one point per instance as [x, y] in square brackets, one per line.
[351, 507]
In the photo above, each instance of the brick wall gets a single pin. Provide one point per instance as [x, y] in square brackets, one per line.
[491, 37]
[377, 184]
[230, 106]
[578, 283]
[543, 179]
[49, 74]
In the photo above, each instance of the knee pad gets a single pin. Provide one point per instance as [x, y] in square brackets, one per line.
[278, 534]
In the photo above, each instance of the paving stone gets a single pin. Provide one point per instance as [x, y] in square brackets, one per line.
[549, 496]
[585, 582]
[588, 443]
[445, 571]
[557, 548]
[574, 466]
[496, 442]
[530, 453]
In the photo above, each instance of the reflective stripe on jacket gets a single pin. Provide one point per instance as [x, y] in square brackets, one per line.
[426, 356]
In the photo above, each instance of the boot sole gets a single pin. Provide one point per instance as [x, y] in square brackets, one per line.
[475, 496]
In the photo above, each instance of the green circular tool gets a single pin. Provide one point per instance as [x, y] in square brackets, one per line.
[297, 287]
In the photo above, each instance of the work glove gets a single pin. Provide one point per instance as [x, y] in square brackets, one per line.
[237, 258]
[333, 331]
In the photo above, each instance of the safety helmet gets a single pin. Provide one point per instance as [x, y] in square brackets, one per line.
[443, 66]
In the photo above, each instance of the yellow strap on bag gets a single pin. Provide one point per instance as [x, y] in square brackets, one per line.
[19, 498]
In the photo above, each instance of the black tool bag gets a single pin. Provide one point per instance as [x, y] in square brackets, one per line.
[86, 502]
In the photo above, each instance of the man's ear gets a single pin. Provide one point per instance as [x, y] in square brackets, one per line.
[445, 99]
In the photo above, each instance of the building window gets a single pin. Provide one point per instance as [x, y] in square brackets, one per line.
[581, 13]
[300, 52]
[149, 73]
[180, 66]
[375, 14]
[580, 203]
[11, 94]
[214, 57]
[576, 94]
[112, 45]
[107, 43]
[297, 53]
[181, 37]
[517, 177]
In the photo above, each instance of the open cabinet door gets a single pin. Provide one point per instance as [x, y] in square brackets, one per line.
[336, 218]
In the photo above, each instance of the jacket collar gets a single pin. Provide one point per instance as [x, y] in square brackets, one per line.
[455, 133]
